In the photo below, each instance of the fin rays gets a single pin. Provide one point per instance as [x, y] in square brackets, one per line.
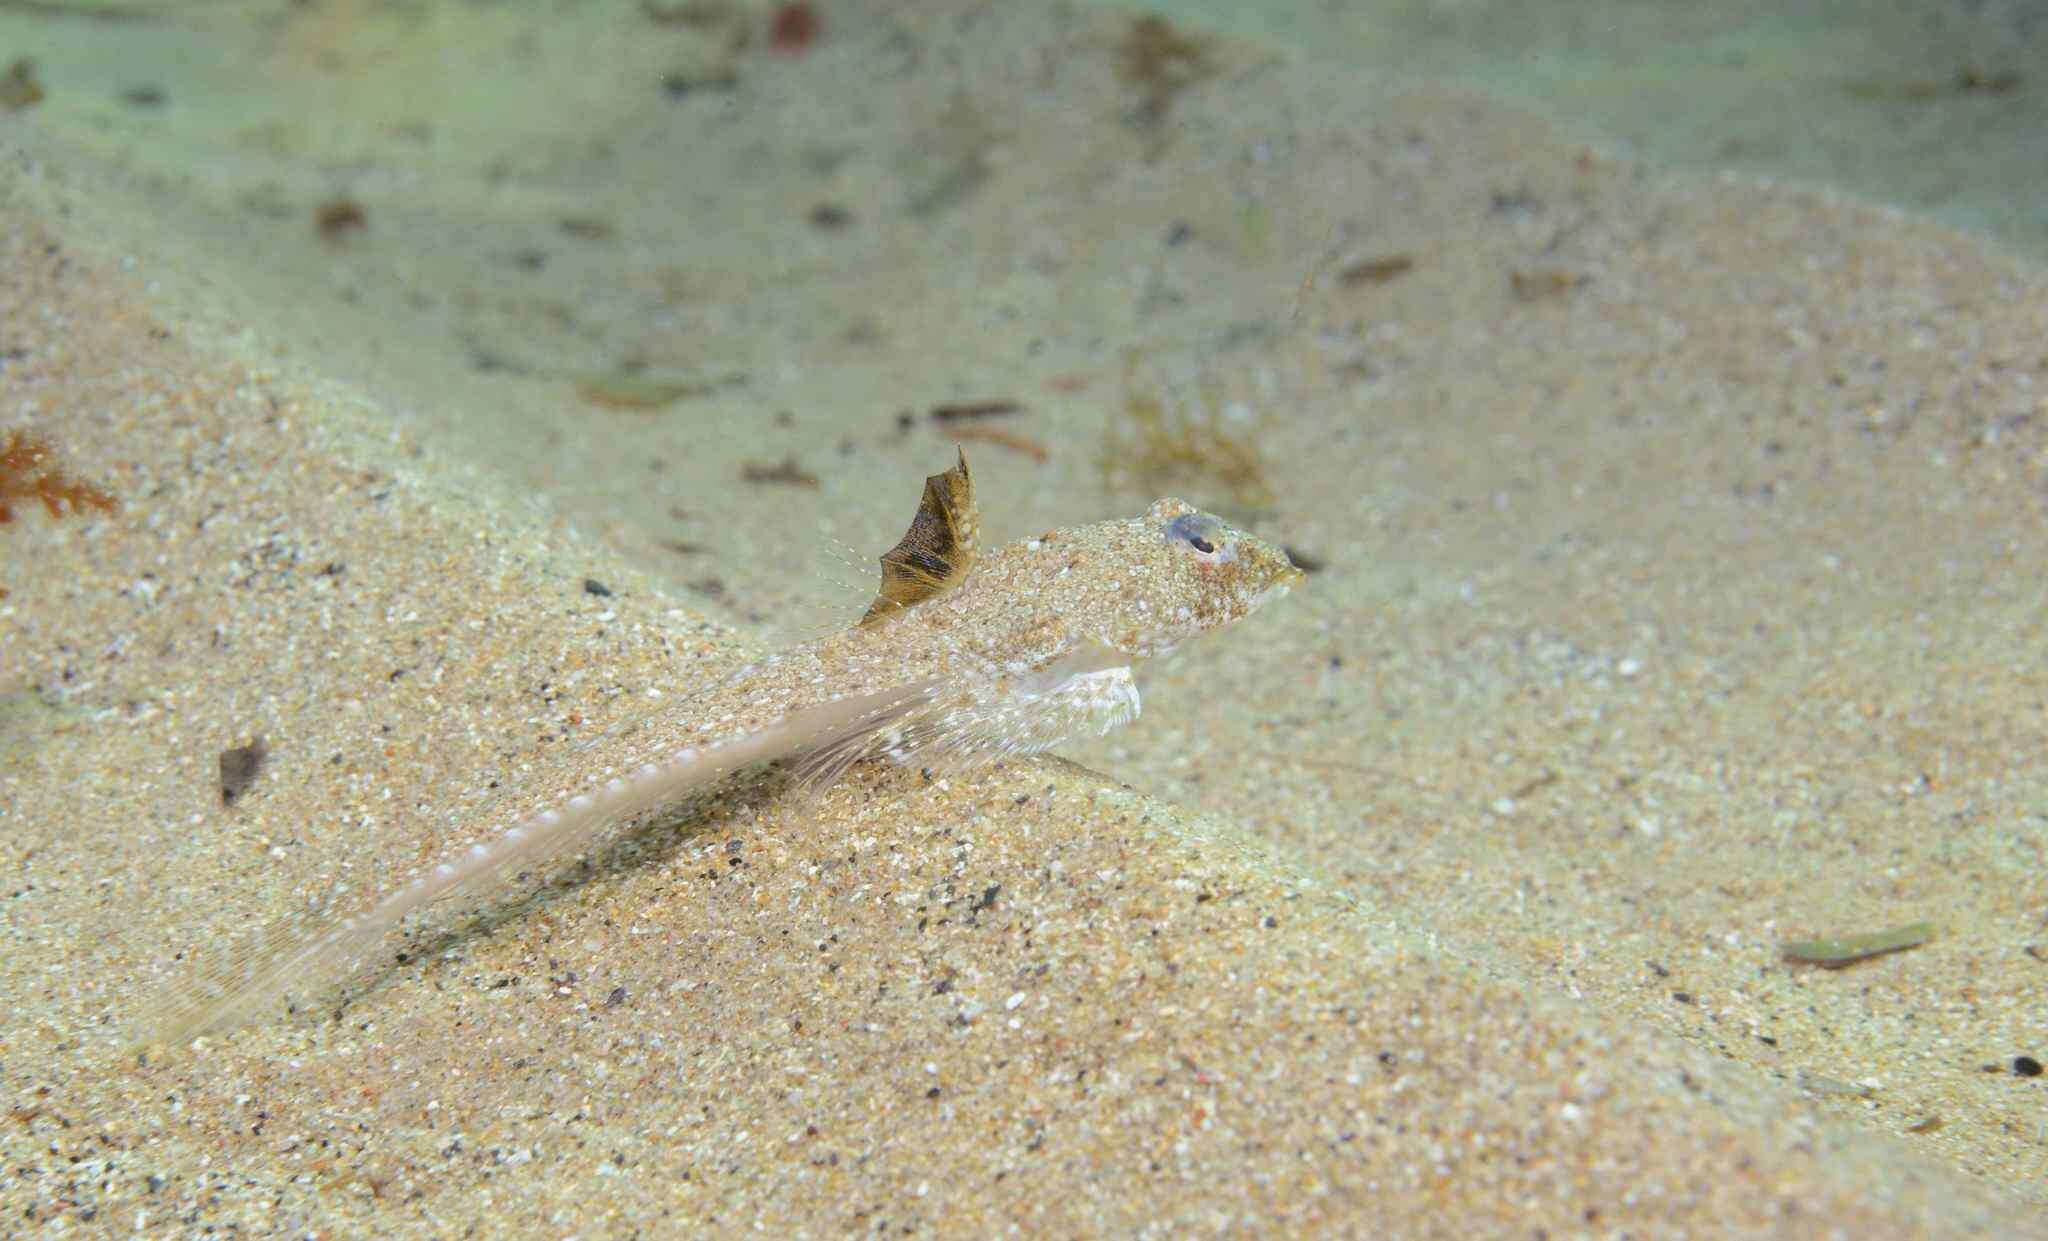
[934, 554]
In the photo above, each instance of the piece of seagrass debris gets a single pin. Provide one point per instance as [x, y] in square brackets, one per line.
[1849, 949]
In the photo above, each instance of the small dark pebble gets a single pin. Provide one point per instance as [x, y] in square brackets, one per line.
[587, 227]
[933, 1093]
[682, 85]
[2026, 1066]
[1683, 997]
[591, 586]
[337, 219]
[830, 217]
[1979, 81]
[616, 998]
[239, 767]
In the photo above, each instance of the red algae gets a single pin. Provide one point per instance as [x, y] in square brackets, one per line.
[794, 28]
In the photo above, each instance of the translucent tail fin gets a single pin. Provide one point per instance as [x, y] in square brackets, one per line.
[307, 953]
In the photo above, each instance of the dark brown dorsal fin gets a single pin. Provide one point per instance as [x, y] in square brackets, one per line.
[933, 556]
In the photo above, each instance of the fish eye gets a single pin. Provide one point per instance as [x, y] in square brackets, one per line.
[1199, 531]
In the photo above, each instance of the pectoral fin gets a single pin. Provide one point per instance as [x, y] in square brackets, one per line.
[1085, 694]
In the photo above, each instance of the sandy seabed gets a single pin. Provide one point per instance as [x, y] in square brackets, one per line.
[1678, 592]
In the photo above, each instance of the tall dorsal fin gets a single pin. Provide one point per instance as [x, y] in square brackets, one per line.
[933, 556]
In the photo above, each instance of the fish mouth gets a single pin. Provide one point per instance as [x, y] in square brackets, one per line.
[1276, 590]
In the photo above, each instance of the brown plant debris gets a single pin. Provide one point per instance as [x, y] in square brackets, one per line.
[1159, 445]
[1375, 270]
[975, 409]
[787, 473]
[18, 86]
[1016, 443]
[1161, 62]
[26, 475]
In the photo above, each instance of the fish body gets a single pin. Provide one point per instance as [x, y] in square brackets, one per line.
[963, 659]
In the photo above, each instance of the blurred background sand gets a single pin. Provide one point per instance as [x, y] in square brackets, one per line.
[470, 374]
